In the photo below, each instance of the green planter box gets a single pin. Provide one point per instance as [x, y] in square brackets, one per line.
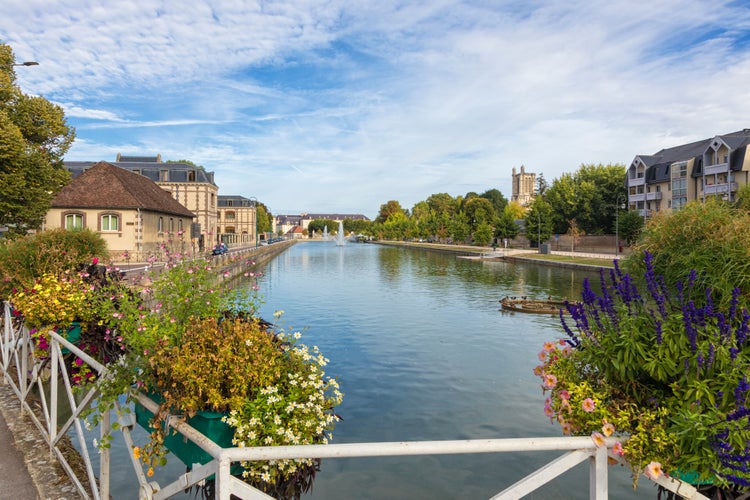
[207, 422]
[72, 335]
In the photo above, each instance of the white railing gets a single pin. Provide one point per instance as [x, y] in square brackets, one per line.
[22, 371]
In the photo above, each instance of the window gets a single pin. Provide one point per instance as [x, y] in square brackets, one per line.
[73, 221]
[230, 203]
[229, 229]
[191, 176]
[171, 225]
[109, 222]
[229, 215]
[179, 224]
[163, 175]
[160, 226]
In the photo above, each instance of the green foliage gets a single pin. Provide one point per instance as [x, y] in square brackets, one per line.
[505, 226]
[483, 234]
[497, 199]
[388, 211]
[629, 226]
[34, 137]
[539, 220]
[711, 237]
[26, 259]
[666, 369]
[589, 196]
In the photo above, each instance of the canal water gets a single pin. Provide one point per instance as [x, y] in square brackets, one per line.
[422, 351]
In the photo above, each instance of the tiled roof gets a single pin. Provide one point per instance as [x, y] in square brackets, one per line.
[106, 186]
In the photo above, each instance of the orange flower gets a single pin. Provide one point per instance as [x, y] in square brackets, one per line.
[653, 470]
[598, 438]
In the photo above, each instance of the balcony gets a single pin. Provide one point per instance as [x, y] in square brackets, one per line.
[722, 188]
[636, 181]
[634, 198]
[653, 196]
[719, 168]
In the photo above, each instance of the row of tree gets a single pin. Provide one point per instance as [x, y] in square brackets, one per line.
[590, 201]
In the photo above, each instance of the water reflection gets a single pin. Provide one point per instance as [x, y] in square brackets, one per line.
[423, 352]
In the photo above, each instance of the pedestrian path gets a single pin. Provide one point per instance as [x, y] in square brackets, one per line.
[27, 469]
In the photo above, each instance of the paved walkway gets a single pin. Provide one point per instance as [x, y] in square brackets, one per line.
[27, 469]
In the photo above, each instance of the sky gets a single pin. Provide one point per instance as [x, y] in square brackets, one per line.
[338, 106]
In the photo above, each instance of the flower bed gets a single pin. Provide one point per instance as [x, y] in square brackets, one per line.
[666, 368]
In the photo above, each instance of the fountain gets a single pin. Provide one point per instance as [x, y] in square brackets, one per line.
[325, 232]
[340, 241]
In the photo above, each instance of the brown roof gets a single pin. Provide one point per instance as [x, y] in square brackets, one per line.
[107, 186]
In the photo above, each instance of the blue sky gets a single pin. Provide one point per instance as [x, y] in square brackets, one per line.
[342, 105]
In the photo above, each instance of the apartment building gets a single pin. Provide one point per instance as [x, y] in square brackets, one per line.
[672, 177]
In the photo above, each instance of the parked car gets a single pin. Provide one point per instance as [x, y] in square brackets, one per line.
[220, 249]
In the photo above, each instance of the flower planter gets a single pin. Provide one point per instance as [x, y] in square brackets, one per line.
[72, 335]
[208, 423]
[691, 477]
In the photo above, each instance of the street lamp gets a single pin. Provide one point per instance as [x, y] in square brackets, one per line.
[255, 217]
[539, 230]
[617, 227]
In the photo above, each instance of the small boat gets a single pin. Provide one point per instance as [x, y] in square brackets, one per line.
[538, 306]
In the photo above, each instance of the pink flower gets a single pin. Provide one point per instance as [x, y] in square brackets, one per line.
[542, 355]
[550, 381]
[78, 361]
[608, 429]
[567, 428]
[617, 449]
[95, 260]
[549, 346]
[653, 470]
[598, 438]
[564, 395]
[588, 405]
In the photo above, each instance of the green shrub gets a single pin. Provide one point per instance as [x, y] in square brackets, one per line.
[26, 259]
[712, 237]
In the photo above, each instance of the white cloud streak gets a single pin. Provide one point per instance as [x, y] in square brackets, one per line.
[342, 105]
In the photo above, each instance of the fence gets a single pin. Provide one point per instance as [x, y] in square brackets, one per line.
[24, 372]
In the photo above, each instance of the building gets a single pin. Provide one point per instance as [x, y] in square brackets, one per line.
[131, 213]
[672, 177]
[285, 223]
[237, 219]
[190, 185]
[524, 186]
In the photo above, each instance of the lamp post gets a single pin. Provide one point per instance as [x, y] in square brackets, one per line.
[539, 230]
[617, 227]
[255, 217]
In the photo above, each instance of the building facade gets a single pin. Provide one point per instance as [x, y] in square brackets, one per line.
[190, 185]
[237, 219]
[672, 177]
[524, 186]
[132, 214]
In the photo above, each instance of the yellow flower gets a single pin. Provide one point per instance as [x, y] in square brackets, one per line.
[608, 429]
[598, 438]
[136, 452]
[150, 472]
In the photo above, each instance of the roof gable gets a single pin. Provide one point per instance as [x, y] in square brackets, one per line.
[105, 185]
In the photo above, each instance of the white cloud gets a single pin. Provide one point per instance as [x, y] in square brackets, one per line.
[342, 105]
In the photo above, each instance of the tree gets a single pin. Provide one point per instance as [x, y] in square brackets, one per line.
[630, 225]
[515, 210]
[541, 185]
[34, 137]
[265, 219]
[539, 221]
[497, 199]
[505, 225]
[389, 209]
[483, 234]
[479, 210]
